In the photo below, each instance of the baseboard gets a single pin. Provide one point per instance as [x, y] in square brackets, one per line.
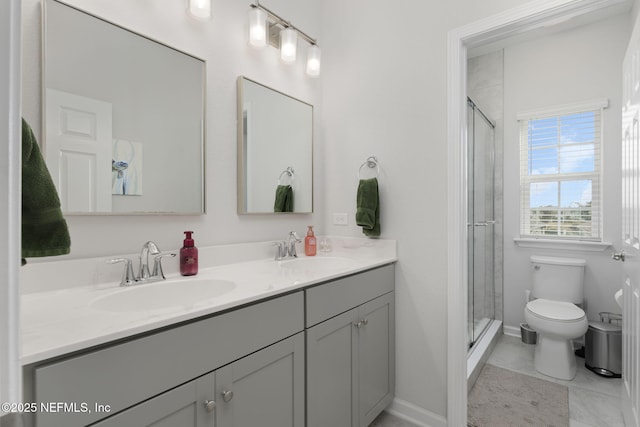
[415, 414]
[512, 331]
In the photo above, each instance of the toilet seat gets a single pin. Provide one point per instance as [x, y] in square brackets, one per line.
[557, 311]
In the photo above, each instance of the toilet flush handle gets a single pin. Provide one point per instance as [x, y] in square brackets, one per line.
[618, 256]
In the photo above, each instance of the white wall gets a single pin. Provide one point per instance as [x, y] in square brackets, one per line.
[384, 94]
[222, 43]
[576, 65]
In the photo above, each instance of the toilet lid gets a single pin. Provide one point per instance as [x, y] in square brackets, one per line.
[557, 310]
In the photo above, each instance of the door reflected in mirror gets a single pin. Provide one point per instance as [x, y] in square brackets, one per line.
[124, 118]
[275, 151]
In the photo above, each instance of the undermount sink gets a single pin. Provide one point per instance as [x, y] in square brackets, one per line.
[163, 295]
[319, 264]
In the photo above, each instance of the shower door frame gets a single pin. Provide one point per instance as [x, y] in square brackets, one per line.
[476, 222]
[518, 20]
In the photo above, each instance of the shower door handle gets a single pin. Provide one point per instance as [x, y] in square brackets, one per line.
[484, 223]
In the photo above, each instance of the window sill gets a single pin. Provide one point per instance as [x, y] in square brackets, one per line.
[574, 245]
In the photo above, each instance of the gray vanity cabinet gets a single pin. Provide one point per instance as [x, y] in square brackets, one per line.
[256, 351]
[263, 389]
[350, 356]
[181, 407]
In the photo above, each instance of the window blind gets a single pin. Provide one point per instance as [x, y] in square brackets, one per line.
[560, 175]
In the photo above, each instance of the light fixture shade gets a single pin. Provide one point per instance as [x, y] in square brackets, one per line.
[288, 45]
[257, 27]
[313, 61]
[200, 8]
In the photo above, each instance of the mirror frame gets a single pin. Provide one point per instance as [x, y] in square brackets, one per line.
[242, 176]
[203, 140]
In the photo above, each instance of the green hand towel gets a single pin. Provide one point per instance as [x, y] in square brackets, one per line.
[368, 207]
[44, 230]
[284, 199]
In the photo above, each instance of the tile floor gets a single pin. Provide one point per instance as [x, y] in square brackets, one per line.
[387, 420]
[594, 401]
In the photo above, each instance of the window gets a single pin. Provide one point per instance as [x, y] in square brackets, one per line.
[560, 181]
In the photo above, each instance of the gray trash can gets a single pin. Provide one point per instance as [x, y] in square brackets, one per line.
[528, 335]
[603, 349]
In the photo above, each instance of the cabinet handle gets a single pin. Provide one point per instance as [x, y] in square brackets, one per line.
[361, 323]
[227, 395]
[210, 405]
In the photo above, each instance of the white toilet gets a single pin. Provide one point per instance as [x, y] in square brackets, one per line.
[557, 286]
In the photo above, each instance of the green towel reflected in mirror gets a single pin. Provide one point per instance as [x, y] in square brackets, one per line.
[284, 199]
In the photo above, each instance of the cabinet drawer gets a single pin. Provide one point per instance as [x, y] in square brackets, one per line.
[127, 373]
[330, 299]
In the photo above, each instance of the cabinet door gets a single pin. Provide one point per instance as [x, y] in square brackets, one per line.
[331, 377]
[183, 406]
[264, 389]
[376, 357]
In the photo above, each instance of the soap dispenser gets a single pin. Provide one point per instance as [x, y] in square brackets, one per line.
[310, 242]
[188, 256]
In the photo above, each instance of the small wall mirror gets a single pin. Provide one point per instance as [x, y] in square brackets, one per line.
[123, 118]
[275, 151]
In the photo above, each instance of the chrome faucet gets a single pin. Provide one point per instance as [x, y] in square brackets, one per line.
[287, 249]
[293, 239]
[148, 248]
[144, 276]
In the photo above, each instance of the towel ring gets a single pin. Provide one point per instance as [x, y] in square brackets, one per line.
[287, 172]
[371, 162]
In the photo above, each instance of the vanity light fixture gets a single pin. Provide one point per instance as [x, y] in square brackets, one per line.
[257, 27]
[313, 61]
[200, 9]
[288, 45]
[267, 27]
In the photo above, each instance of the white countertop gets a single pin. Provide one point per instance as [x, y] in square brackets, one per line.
[65, 320]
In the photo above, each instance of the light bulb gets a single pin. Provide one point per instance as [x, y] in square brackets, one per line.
[313, 61]
[257, 27]
[200, 8]
[288, 45]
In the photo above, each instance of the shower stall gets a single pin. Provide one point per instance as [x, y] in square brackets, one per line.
[483, 248]
[481, 222]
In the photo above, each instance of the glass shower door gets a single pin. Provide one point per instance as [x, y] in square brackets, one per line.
[480, 163]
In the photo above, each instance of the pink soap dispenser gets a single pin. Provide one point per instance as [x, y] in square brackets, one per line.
[188, 256]
[310, 242]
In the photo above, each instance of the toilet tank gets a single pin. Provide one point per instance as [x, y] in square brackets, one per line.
[558, 279]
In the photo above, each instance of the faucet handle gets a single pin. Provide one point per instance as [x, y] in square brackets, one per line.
[281, 251]
[157, 264]
[295, 236]
[128, 278]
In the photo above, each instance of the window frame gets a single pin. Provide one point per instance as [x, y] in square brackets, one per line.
[596, 177]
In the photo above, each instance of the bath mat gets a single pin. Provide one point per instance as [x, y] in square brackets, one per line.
[502, 398]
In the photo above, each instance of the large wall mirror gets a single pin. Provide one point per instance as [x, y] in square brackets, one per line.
[275, 151]
[123, 118]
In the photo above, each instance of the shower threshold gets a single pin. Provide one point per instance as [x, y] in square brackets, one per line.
[481, 350]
